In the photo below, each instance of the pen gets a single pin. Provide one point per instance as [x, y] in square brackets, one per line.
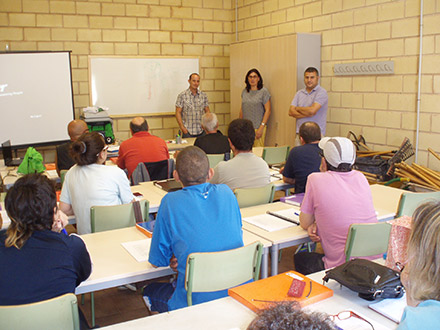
[283, 218]
[268, 301]
[296, 213]
[310, 291]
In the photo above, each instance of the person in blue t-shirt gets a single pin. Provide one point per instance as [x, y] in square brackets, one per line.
[421, 276]
[202, 217]
[304, 159]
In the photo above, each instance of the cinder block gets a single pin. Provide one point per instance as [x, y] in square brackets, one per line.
[406, 65]
[365, 15]
[352, 100]
[80, 75]
[125, 23]
[332, 129]
[29, 34]
[402, 102]
[24, 45]
[194, 3]
[270, 5]
[362, 117]
[378, 31]
[10, 6]
[112, 9]
[334, 99]
[295, 13]
[350, 4]
[160, 11]
[137, 36]
[303, 25]
[221, 62]
[435, 123]
[215, 96]
[223, 15]
[430, 103]
[213, 4]
[29, 6]
[213, 50]
[391, 47]
[154, 122]
[312, 9]
[213, 73]
[170, 122]
[75, 21]
[341, 84]
[171, 24]
[405, 27]
[84, 87]
[263, 20]
[332, 37]
[102, 48]
[62, 7]
[44, 20]
[206, 61]
[88, 8]
[409, 120]
[353, 34]
[431, 63]
[364, 84]
[210, 26]
[286, 3]
[340, 115]
[149, 49]
[50, 45]
[326, 53]
[285, 28]
[172, 49]
[391, 11]
[278, 17]
[77, 48]
[323, 22]
[245, 35]
[374, 135]
[331, 6]
[181, 37]
[428, 45]
[160, 36]
[148, 23]
[390, 84]
[389, 119]
[171, 2]
[192, 25]
[81, 101]
[376, 101]
[137, 10]
[203, 38]
[222, 108]
[207, 85]
[64, 34]
[123, 124]
[365, 50]
[126, 48]
[22, 19]
[113, 35]
[100, 22]
[244, 12]
[342, 19]
[437, 85]
[193, 50]
[201, 13]
[250, 23]
[343, 52]
[257, 9]
[181, 12]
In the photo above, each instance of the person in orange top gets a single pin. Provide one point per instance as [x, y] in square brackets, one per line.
[142, 147]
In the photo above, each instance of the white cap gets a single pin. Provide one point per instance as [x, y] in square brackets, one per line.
[338, 150]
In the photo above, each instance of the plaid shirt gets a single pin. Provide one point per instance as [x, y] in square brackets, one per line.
[193, 108]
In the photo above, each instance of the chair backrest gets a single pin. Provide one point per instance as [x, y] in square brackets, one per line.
[367, 239]
[410, 201]
[275, 155]
[214, 159]
[214, 271]
[116, 216]
[255, 196]
[153, 171]
[62, 176]
[56, 313]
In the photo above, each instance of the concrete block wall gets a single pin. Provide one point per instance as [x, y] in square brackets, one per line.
[381, 108]
[199, 28]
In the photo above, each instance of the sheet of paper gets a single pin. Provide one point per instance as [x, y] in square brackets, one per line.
[52, 174]
[292, 213]
[390, 308]
[268, 222]
[138, 249]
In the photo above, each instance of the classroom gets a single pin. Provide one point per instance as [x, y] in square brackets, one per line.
[384, 109]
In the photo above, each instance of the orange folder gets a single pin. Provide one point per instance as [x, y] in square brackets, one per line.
[258, 295]
[144, 228]
[50, 166]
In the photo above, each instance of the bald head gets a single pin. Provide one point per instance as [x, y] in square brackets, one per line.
[138, 124]
[76, 128]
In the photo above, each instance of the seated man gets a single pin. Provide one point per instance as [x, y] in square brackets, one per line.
[142, 147]
[63, 161]
[214, 142]
[304, 159]
[335, 198]
[245, 170]
[201, 217]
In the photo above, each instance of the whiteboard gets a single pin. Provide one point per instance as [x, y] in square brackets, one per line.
[36, 102]
[139, 85]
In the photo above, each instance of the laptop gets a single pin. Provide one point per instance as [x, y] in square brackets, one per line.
[7, 155]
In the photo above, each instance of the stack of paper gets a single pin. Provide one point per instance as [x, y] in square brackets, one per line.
[390, 308]
[268, 222]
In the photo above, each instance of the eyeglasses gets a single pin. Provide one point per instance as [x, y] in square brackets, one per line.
[321, 152]
[345, 315]
[103, 149]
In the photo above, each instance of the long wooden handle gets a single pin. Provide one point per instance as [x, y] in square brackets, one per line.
[434, 153]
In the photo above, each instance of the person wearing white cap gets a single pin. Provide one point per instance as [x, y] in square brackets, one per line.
[335, 198]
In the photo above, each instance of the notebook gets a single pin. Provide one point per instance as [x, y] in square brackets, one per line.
[7, 155]
[168, 185]
[146, 228]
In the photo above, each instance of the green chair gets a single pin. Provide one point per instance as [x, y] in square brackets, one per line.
[214, 159]
[113, 217]
[62, 176]
[255, 196]
[275, 155]
[214, 271]
[367, 239]
[56, 313]
[410, 201]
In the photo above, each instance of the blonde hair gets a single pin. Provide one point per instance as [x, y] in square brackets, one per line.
[424, 253]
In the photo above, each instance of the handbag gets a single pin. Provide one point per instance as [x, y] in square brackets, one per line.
[371, 280]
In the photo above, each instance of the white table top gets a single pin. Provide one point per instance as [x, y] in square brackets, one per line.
[150, 192]
[386, 200]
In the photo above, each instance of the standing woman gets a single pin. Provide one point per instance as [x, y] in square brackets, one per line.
[255, 105]
[91, 183]
[421, 276]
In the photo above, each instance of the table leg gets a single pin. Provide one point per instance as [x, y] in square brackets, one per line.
[274, 259]
[264, 265]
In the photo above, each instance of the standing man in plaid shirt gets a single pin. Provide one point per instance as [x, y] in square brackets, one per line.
[191, 104]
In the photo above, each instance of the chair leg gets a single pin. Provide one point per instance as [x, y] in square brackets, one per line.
[82, 299]
[92, 306]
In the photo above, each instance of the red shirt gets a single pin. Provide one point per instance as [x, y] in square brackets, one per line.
[141, 148]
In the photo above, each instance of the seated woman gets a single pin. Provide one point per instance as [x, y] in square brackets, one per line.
[421, 276]
[90, 183]
[38, 262]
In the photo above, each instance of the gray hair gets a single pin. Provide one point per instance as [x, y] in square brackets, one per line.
[209, 121]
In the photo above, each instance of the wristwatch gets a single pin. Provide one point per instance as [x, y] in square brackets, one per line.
[263, 124]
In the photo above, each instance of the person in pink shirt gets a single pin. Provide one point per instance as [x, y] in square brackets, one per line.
[335, 198]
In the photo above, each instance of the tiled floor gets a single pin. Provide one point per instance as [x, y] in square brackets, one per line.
[115, 306]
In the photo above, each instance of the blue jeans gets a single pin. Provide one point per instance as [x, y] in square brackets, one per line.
[159, 294]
